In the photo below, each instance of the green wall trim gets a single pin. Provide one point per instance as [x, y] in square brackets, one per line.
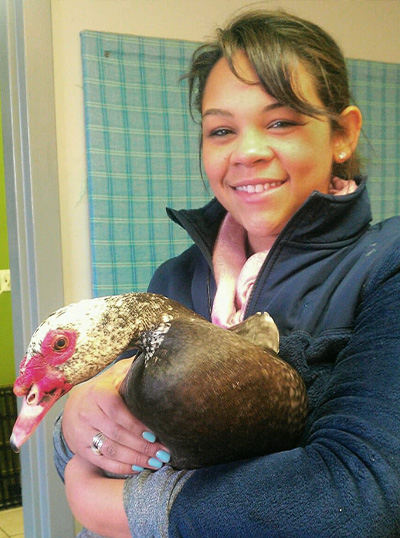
[7, 368]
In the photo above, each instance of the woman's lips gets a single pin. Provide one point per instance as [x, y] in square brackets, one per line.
[259, 187]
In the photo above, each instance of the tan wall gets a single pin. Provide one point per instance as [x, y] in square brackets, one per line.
[366, 29]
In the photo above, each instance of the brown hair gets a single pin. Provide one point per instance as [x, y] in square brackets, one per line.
[276, 43]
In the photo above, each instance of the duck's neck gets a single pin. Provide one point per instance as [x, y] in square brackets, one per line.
[144, 312]
[121, 322]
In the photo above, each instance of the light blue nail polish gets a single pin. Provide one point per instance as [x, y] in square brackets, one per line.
[137, 468]
[149, 436]
[163, 456]
[155, 463]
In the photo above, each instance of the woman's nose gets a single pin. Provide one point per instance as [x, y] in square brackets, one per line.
[251, 147]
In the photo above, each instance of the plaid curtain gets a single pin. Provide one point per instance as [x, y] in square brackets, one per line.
[376, 89]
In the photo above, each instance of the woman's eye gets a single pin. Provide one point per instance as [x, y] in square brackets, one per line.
[288, 123]
[282, 124]
[220, 132]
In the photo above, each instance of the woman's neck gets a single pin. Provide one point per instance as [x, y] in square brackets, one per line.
[259, 244]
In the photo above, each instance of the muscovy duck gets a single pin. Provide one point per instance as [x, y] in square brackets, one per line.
[210, 395]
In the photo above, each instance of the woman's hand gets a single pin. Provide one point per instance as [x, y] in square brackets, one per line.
[96, 406]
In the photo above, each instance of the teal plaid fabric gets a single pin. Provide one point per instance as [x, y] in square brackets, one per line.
[142, 151]
[376, 89]
[142, 155]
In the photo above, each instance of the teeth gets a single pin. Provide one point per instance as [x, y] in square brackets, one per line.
[259, 187]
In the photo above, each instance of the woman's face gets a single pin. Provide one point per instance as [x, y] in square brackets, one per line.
[262, 159]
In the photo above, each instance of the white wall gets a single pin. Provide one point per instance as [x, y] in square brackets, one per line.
[366, 29]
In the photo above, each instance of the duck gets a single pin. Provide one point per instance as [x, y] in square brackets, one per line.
[210, 395]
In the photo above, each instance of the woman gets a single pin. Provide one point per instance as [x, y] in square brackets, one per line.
[288, 233]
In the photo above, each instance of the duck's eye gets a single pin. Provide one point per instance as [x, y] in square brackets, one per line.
[60, 343]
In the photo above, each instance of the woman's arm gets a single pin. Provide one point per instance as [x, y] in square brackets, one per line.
[96, 501]
[344, 481]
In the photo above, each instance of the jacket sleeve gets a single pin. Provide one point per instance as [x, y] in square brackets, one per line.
[345, 479]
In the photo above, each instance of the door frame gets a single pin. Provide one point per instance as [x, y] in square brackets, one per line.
[34, 231]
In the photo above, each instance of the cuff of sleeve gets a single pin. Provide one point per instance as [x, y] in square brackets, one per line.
[62, 453]
[148, 500]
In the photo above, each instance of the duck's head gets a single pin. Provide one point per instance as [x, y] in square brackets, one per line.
[70, 346]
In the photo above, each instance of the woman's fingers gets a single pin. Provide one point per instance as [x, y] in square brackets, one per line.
[135, 447]
[121, 459]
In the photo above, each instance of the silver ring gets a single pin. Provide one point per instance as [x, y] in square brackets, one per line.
[97, 443]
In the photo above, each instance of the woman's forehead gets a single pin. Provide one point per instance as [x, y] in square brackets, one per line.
[301, 80]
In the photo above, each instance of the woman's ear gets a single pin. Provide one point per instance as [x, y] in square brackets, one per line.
[346, 135]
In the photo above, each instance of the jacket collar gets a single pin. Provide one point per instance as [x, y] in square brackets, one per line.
[201, 224]
[323, 219]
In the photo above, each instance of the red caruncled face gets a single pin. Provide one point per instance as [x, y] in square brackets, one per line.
[42, 382]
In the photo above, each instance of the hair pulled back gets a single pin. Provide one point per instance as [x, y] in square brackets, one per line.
[276, 44]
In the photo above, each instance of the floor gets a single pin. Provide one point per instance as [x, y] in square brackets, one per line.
[11, 523]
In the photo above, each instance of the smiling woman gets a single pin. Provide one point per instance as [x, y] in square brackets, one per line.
[288, 233]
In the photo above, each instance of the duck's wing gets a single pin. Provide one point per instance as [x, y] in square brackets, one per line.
[260, 329]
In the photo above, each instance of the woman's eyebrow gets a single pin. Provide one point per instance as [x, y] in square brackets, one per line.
[217, 112]
[227, 113]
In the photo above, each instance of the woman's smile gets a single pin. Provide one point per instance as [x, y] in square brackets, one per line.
[259, 187]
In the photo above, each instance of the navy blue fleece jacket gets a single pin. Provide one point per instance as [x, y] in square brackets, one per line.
[332, 284]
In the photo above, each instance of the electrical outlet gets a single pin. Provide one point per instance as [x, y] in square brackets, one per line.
[5, 280]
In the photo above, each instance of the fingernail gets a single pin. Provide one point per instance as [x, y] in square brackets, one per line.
[137, 468]
[163, 456]
[155, 463]
[149, 436]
